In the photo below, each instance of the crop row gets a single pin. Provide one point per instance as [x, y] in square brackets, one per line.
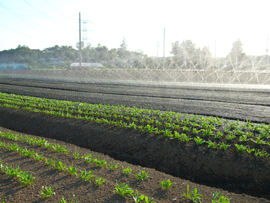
[120, 189]
[213, 131]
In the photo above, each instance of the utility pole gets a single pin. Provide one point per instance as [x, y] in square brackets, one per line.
[157, 48]
[266, 53]
[80, 41]
[215, 52]
[164, 50]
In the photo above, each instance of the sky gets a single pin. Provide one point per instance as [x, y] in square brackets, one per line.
[39, 24]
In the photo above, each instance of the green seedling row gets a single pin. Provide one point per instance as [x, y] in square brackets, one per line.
[25, 178]
[122, 189]
[168, 123]
[58, 165]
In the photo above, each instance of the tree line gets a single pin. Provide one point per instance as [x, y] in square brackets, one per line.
[185, 55]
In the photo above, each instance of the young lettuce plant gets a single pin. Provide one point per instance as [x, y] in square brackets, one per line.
[249, 150]
[59, 166]
[26, 179]
[218, 135]
[113, 166]
[211, 144]
[88, 158]
[141, 175]
[221, 199]
[199, 141]
[240, 148]
[123, 189]
[64, 201]
[76, 155]
[99, 181]
[139, 198]
[195, 197]
[47, 191]
[86, 176]
[99, 163]
[230, 137]
[224, 146]
[72, 170]
[207, 132]
[127, 170]
[38, 157]
[165, 184]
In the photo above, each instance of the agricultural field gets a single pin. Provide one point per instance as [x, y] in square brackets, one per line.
[102, 152]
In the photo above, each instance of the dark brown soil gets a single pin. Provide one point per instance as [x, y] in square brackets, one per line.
[228, 170]
[242, 104]
[66, 185]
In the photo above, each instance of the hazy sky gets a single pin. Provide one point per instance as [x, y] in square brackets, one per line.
[45, 23]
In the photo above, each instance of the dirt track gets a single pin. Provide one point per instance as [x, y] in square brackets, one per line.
[242, 104]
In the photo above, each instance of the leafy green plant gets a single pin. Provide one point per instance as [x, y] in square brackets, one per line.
[76, 155]
[231, 136]
[88, 158]
[86, 176]
[48, 145]
[99, 181]
[195, 131]
[224, 146]
[165, 184]
[221, 199]
[243, 138]
[27, 152]
[139, 198]
[59, 148]
[123, 189]
[212, 144]
[99, 163]
[199, 141]
[113, 166]
[32, 141]
[207, 132]
[249, 150]
[218, 135]
[258, 140]
[240, 148]
[59, 166]
[50, 161]
[64, 201]
[72, 170]
[127, 170]
[41, 142]
[141, 175]
[261, 153]
[38, 157]
[11, 172]
[13, 147]
[26, 179]
[47, 191]
[194, 197]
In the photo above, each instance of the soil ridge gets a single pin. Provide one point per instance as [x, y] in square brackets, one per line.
[227, 170]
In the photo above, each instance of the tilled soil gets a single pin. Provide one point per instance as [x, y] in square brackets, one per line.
[230, 103]
[228, 170]
[66, 185]
[223, 170]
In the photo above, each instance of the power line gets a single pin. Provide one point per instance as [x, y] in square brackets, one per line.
[44, 15]
[56, 10]
[23, 33]
[20, 17]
